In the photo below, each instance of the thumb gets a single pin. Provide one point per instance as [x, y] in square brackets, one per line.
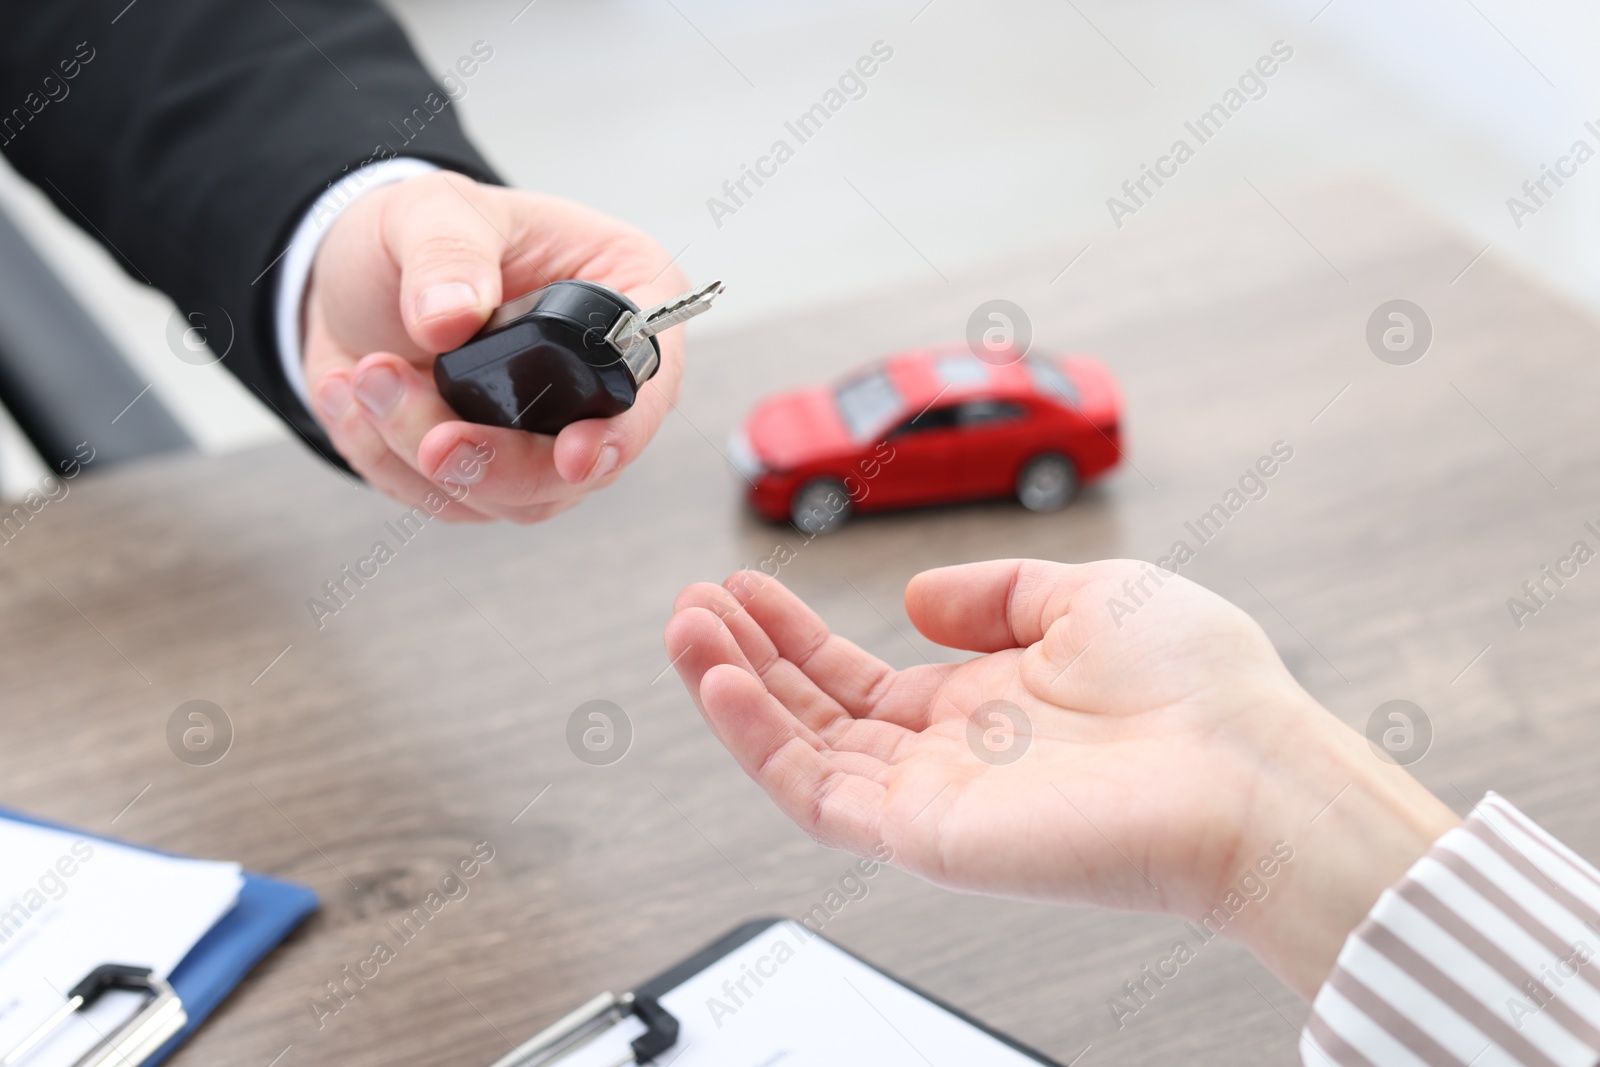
[449, 255]
[986, 607]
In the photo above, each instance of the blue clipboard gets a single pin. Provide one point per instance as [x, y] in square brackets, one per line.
[268, 911]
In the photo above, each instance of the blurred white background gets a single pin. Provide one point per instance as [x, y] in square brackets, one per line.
[996, 127]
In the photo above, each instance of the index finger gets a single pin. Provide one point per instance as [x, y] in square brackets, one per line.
[864, 685]
[829, 794]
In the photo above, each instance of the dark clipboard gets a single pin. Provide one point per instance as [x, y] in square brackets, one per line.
[540, 1050]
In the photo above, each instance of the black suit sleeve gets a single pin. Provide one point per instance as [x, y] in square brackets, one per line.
[190, 136]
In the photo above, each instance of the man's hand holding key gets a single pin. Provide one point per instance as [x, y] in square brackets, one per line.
[416, 268]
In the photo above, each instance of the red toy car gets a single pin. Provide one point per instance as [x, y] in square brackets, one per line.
[929, 427]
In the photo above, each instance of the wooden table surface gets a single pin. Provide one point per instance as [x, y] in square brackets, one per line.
[430, 713]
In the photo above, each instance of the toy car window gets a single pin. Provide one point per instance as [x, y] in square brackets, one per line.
[931, 419]
[961, 370]
[866, 403]
[988, 412]
[1052, 381]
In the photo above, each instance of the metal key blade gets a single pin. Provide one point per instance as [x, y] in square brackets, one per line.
[630, 334]
[682, 309]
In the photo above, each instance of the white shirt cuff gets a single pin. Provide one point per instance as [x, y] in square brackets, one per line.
[1485, 953]
[295, 270]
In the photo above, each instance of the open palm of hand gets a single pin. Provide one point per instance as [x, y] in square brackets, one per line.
[1124, 761]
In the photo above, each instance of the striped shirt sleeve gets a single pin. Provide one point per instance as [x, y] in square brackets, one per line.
[1483, 955]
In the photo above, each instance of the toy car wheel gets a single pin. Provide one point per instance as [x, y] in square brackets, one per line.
[820, 506]
[1048, 482]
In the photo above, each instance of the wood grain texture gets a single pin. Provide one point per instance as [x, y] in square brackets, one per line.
[429, 713]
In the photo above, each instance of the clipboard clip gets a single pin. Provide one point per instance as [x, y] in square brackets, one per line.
[580, 1027]
[160, 1017]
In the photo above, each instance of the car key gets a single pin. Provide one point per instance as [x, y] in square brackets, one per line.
[569, 351]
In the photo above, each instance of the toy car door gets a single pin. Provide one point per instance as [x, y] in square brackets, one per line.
[995, 439]
[924, 469]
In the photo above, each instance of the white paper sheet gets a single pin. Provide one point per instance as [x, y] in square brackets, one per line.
[814, 1006]
[69, 904]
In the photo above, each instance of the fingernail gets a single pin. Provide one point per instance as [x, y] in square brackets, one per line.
[445, 299]
[464, 466]
[379, 390]
[334, 398]
[605, 464]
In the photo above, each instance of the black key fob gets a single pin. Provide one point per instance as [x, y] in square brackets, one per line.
[569, 351]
